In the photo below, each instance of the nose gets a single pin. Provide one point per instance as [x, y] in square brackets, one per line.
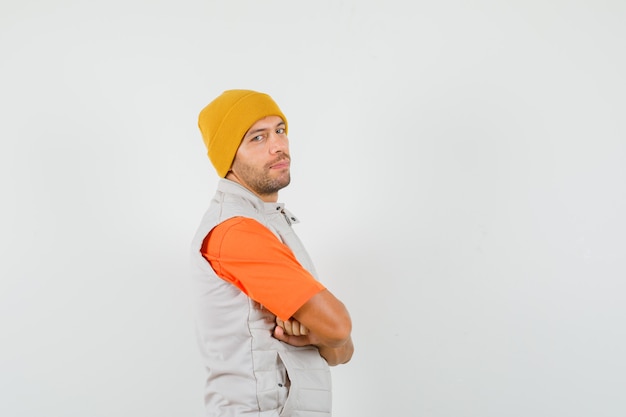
[278, 143]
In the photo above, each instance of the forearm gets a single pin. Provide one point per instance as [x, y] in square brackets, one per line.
[294, 333]
[323, 322]
[327, 318]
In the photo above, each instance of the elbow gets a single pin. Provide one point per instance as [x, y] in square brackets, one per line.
[336, 362]
[346, 354]
[340, 355]
[346, 357]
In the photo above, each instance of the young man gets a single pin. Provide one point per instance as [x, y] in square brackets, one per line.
[267, 329]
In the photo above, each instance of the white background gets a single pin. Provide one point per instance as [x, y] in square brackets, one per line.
[458, 167]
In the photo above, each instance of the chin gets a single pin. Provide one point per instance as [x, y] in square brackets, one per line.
[282, 184]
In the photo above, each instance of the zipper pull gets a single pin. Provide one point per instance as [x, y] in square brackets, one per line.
[286, 217]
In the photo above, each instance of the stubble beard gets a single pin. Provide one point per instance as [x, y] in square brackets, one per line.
[259, 180]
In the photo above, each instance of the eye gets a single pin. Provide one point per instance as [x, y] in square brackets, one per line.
[256, 138]
[280, 130]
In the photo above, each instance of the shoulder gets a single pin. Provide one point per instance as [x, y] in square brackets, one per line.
[241, 227]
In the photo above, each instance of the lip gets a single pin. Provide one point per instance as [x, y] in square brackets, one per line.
[281, 164]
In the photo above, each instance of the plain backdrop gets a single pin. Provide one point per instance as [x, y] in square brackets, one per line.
[459, 168]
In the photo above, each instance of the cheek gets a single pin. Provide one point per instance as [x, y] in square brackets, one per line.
[243, 156]
[245, 161]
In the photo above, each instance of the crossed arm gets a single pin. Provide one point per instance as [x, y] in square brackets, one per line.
[324, 322]
[243, 248]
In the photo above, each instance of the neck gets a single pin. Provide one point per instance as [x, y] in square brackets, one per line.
[266, 198]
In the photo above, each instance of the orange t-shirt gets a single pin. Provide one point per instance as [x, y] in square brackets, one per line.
[248, 255]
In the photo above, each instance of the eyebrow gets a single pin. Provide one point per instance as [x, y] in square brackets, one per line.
[255, 131]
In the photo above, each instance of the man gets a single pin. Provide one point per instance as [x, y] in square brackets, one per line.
[267, 329]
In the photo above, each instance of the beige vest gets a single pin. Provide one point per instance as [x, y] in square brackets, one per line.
[249, 373]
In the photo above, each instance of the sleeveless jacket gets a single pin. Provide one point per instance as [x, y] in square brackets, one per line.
[250, 373]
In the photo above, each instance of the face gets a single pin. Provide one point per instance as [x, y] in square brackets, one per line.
[262, 161]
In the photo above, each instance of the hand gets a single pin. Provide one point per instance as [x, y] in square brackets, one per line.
[292, 327]
[293, 333]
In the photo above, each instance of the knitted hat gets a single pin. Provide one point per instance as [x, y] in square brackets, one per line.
[225, 121]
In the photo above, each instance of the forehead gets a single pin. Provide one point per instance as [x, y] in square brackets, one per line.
[268, 122]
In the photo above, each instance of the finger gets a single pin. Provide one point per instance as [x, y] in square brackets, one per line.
[303, 330]
[295, 328]
[288, 327]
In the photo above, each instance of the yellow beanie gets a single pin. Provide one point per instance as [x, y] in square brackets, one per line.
[225, 121]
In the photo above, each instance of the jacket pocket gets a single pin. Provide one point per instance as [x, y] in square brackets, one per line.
[283, 384]
[309, 383]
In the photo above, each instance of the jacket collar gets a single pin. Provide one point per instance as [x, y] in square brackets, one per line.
[231, 187]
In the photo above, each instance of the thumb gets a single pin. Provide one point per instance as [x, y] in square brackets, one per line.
[279, 333]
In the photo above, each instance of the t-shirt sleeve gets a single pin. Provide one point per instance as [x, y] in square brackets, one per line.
[247, 254]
